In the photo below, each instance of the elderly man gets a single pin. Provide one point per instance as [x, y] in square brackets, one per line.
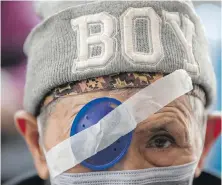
[104, 100]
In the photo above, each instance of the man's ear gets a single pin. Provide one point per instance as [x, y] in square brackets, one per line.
[27, 126]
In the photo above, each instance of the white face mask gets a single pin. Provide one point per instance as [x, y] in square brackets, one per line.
[175, 175]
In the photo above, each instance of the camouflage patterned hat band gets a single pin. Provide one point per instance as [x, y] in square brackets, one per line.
[109, 82]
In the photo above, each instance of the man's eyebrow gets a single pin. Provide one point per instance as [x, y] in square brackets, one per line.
[153, 127]
[157, 126]
[158, 129]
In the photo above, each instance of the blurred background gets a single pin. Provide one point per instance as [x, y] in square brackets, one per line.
[17, 20]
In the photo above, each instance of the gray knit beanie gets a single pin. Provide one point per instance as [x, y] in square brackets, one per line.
[79, 40]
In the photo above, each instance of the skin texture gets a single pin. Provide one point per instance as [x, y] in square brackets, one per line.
[173, 132]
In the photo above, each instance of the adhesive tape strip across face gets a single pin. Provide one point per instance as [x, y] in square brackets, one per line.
[134, 110]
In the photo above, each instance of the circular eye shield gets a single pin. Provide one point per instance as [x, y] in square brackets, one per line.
[89, 115]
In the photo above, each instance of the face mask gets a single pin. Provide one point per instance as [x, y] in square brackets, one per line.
[176, 175]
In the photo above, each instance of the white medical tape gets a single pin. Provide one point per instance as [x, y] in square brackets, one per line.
[118, 122]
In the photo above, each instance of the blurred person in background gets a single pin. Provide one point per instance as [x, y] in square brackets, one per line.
[27, 123]
[17, 20]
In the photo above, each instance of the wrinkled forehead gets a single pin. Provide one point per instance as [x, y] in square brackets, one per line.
[73, 103]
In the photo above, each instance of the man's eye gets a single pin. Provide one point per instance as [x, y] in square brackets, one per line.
[160, 142]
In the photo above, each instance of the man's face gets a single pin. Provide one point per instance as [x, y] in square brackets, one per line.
[167, 138]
